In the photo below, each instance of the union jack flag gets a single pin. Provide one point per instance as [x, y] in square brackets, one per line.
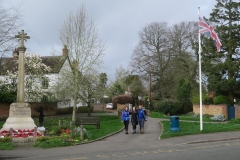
[208, 31]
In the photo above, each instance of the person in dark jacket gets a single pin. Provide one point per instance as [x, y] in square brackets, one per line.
[134, 119]
[126, 118]
[41, 115]
[141, 118]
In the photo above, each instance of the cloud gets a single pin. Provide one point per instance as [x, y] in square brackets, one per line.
[118, 22]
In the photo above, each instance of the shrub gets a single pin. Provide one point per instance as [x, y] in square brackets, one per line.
[121, 99]
[208, 100]
[186, 106]
[59, 130]
[184, 90]
[67, 110]
[8, 93]
[5, 139]
[218, 117]
[42, 139]
[207, 116]
[169, 106]
[221, 100]
[196, 98]
[235, 121]
[145, 102]
[86, 134]
[84, 109]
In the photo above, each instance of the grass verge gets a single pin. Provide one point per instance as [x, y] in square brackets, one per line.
[6, 146]
[190, 128]
[181, 117]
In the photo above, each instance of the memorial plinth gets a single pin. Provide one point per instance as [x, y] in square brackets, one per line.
[19, 117]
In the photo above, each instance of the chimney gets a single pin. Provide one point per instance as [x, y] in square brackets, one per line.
[74, 64]
[65, 51]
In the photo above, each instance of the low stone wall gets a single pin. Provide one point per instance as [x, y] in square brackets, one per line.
[212, 109]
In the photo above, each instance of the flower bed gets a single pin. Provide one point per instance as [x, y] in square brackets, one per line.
[19, 133]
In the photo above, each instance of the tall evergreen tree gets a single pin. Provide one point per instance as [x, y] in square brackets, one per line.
[222, 69]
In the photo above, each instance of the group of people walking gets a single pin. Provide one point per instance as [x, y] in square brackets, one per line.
[137, 117]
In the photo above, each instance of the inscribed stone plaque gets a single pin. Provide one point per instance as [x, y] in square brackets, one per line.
[20, 110]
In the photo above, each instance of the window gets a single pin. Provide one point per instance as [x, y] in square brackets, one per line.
[45, 83]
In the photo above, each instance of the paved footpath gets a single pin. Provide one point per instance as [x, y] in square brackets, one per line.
[122, 142]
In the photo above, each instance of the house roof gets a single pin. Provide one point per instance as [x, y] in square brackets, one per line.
[54, 62]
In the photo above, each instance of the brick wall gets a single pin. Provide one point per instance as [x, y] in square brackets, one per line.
[237, 111]
[4, 110]
[121, 106]
[212, 109]
[48, 109]
[99, 107]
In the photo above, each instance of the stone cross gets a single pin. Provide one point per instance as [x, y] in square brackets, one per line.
[20, 112]
[22, 36]
[20, 86]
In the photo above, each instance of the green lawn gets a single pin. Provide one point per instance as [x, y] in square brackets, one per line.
[108, 125]
[181, 117]
[189, 128]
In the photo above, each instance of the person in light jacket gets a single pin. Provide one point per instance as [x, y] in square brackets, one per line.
[126, 118]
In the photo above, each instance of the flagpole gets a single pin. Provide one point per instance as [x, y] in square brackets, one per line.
[200, 75]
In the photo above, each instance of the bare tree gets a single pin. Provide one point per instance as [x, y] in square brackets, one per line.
[9, 23]
[163, 49]
[152, 52]
[85, 49]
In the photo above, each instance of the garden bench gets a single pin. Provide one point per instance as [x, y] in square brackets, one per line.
[88, 121]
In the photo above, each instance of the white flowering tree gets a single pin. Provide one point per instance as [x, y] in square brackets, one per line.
[35, 74]
[85, 50]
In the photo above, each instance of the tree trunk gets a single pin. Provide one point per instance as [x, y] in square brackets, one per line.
[89, 108]
[230, 73]
[75, 95]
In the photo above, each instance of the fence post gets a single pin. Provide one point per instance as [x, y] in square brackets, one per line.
[81, 133]
[11, 134]
[35, 134]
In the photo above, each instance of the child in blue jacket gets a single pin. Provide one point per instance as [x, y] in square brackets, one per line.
[141, 118]
[126, 118]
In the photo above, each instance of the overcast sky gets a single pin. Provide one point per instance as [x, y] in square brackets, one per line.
[118, 22]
